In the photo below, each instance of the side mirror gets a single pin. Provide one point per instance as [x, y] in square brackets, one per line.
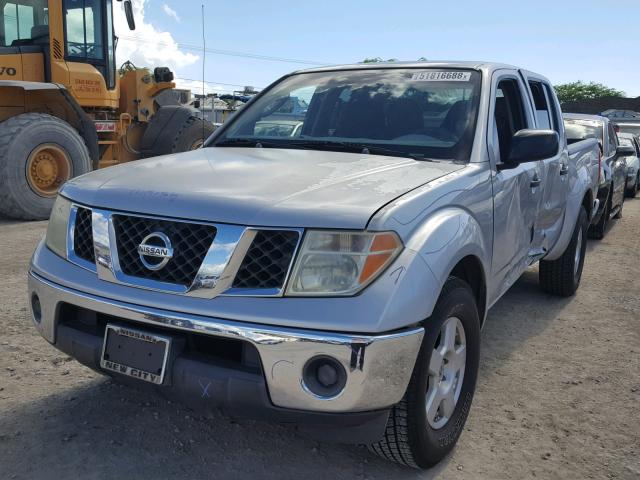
[128, 11]
[625, 151]
[531, 146]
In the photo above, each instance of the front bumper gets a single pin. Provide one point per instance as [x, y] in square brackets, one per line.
[378, 366]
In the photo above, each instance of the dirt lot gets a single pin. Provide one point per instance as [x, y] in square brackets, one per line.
[558, 394]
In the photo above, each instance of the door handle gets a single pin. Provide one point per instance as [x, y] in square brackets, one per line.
[535, 182]
[564, 169]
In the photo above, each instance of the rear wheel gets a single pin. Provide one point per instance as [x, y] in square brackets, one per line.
[38, 153]
[562, 276]
[598, 230]
[426, 424]
[619, 212]
[633, 191]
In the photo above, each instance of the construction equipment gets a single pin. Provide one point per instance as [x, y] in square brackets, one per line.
[64, 107]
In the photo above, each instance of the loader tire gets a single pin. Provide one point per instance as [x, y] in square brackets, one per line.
[562, 276]
[192, 135]
[38, 153]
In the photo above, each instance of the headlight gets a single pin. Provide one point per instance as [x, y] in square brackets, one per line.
[57, 229]
[341, 263]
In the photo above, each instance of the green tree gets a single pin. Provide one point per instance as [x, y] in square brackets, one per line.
[576, 91]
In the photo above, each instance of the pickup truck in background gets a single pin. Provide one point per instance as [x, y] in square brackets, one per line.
[613, 167]
[337, 280]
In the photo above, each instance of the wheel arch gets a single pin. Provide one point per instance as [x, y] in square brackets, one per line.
[453, 243]
[470, 270]
[587, 203]
[18, 97]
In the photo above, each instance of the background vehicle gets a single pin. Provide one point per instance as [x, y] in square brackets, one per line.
[343, 274]
[66, 109]
[613, 172]
[632, 161]
[278, 128]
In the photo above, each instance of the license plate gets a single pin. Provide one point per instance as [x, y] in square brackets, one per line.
[135, 353]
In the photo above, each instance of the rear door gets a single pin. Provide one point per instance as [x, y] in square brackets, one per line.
[517, 192]
[618, 167]
[555, 170]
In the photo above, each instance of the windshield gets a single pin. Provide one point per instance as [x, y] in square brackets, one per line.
[429, 113]
[577, 130]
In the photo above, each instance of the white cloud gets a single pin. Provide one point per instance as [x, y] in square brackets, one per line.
[170, 12]
[147, 46]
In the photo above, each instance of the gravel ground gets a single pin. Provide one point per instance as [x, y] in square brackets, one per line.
[558, 394]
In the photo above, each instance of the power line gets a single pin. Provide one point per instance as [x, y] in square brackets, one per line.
[214, 83]
[231, 53]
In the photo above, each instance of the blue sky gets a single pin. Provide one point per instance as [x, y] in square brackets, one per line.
[565, 40]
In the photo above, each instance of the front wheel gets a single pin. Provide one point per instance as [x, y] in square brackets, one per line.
[562, 276]
[426, 424]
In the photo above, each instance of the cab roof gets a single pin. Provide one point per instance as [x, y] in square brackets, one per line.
[428, 64]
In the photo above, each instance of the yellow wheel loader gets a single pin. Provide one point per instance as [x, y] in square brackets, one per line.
[64, 107]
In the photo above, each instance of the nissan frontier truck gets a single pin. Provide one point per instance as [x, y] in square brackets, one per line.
[337, 279]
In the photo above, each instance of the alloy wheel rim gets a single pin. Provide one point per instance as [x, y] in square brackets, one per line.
[48, 167]
[446, 373]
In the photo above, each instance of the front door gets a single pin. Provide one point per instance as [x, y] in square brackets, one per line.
[517, 191]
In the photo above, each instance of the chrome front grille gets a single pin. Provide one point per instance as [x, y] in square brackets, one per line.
[191, 242]
[207, 259]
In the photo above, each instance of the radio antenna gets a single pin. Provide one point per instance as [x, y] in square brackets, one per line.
[204, 57]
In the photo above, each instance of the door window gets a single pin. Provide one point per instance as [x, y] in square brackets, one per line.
[543, 115]
[19, 20]
[509, 114]
[84, 27]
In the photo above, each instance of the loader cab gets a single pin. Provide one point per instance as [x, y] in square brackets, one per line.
[24, 39]
[70, 42]
[89, 36]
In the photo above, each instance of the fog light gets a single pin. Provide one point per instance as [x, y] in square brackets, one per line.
[324, 377]
[36, 308]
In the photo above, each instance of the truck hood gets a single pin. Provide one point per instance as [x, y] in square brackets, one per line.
[258, 186]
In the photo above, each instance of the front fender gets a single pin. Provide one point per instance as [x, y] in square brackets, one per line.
[444, 239]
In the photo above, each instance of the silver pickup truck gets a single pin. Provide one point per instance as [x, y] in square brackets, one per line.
[337, 280]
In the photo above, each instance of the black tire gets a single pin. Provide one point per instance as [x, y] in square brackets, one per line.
[562, 276]
[633, 191]
[598, 230]
[618, 214]
[409, 439]
[192, 135]
[19, 137]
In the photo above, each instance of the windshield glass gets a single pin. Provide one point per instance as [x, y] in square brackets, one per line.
[626, 141]
[419, 112]
[576, 130]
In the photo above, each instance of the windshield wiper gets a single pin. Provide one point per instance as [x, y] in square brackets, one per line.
[355, 147]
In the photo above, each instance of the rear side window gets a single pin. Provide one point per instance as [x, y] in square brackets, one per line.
[543, 114]
[554, 113]
[509, 114]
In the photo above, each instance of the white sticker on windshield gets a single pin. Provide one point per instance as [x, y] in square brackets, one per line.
[441, 76]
